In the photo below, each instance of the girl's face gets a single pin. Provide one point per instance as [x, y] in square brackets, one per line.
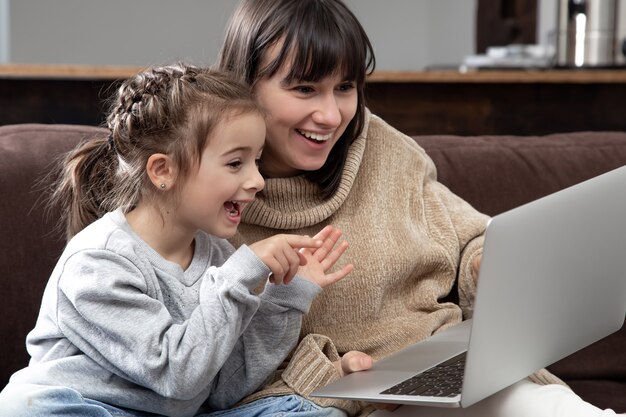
[304, 119]
[227, 178]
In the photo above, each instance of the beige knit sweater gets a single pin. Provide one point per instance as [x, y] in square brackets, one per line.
[411, 242]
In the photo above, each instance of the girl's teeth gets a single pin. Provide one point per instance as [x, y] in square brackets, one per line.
[232, 208]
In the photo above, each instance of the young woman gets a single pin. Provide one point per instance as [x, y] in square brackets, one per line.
[150, 311]
[328, 160]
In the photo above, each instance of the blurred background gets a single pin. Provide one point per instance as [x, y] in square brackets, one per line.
[443, 66]
[407, 34]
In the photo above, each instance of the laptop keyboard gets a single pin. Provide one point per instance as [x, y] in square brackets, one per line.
[443, 380]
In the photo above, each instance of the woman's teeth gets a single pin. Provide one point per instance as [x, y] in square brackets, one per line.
[315, 136]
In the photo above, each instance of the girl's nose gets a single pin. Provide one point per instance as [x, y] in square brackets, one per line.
[255, 181]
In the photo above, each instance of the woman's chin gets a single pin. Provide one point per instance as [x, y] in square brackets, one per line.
[298, 166]
[312, 165]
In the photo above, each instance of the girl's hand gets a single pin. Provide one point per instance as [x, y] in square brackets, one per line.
[281, 254]
[320, 260]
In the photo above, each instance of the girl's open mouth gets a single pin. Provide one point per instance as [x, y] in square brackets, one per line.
[233, 208]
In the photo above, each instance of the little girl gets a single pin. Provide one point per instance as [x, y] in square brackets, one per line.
[150, 311]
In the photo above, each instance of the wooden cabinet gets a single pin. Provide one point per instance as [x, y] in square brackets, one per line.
[424, 102]
[500, 101]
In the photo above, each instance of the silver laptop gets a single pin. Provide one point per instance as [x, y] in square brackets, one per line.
[552, 281]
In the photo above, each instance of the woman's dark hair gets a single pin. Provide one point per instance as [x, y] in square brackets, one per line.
[165, 109]
[321, 37]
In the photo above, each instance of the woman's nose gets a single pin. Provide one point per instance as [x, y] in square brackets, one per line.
[328, 112]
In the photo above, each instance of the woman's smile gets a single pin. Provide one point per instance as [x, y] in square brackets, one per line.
[304, 119]
[315, 137]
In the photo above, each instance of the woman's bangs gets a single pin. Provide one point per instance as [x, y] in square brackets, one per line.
[325, 51]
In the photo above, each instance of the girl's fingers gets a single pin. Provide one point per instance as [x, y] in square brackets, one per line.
[293, 263]
[286, 262]
[296, 250]
[297, 241]
[301, 254]
[279, 267]
[329, 242]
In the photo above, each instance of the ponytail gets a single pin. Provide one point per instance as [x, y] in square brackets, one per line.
[84, 183]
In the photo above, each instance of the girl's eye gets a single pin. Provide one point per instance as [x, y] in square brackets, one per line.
[234, 164]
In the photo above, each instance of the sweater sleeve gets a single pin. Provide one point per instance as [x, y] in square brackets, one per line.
[450, 212]
[105, 310]
[451, 222]
[311, 367]
[264, 345]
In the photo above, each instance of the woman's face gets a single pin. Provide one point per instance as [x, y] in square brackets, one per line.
[304, 119]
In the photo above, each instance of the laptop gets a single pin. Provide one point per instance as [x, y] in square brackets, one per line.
[552, 280]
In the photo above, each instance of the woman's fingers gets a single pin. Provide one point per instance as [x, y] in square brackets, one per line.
[354, 361]
[324, 233]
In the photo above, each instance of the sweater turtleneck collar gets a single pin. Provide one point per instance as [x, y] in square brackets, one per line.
[295, 202]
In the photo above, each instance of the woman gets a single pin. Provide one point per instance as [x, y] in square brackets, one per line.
[327, 160]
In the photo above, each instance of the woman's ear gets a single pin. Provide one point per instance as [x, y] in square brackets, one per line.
[162, 171]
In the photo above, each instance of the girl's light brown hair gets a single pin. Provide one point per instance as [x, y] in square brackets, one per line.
[165, 109]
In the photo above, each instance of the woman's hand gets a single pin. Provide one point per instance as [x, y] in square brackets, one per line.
[355, 361]
[320, 260]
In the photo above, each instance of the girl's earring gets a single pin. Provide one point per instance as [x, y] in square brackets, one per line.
[163, 186]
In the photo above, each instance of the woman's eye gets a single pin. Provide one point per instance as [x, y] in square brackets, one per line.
[304, 89]
[346, 86]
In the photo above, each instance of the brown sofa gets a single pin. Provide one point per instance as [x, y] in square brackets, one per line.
[494, 173]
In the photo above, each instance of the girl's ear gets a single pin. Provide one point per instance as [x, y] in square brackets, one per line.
[162, 171]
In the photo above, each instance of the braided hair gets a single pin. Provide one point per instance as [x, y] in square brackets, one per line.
[164, 109]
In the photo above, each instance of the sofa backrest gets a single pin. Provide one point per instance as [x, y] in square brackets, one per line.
[497, 173]
[28, 246]
[493, 173]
